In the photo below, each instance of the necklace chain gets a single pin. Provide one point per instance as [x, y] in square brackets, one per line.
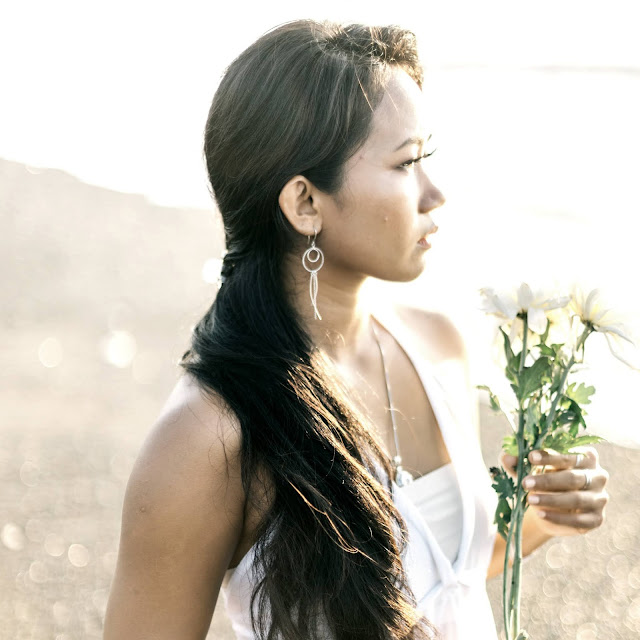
[402, 476]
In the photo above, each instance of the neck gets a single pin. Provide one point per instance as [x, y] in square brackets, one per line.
[344, 333]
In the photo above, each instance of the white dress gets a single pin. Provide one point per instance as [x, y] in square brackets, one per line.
[450, 592]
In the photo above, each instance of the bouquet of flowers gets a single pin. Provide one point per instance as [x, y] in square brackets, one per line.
[543, 342]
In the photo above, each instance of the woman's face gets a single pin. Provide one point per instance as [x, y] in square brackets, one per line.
[374, 224]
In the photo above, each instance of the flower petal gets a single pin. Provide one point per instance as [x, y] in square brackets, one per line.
[616, 351]
[590, 304]
[537, 320]
[555, 303]
[496, 304]
[525, 297]
[618, 329]
[516, 331]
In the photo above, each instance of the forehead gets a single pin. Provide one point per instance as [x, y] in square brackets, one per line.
[399, 115]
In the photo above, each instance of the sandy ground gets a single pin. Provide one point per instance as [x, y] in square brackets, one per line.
[105, 287]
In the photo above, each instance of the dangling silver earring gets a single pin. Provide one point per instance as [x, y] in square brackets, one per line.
[312, 255]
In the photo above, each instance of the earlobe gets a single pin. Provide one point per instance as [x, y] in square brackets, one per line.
[297, 204]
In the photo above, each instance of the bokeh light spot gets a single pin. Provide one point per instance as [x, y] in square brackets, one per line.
[634, 609]
[99, 599]
[29, 472]
[12, 537]
[54, 545]
[618, 568]
[78, 555]
[634, 578]
[556, 556]
[61, 613]
[38, 572]
[35, 530]
[109, 561]
[587, 631]
[119, 348]
[50, 352]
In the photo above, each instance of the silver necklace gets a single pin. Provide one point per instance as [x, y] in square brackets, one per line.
[401, 476]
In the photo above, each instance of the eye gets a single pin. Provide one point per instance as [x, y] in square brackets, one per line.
[410, 163]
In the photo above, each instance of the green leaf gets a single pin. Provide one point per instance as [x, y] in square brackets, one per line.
[510, 445]
[563, 442]
[545, 335]
[503, 517]
[581, 441]
[559, 441]
[493, 399]
[532, 422]
[508, 351]
[513, 367]
[546, 351]
[581, 394]
[532, 378]
[502, 483]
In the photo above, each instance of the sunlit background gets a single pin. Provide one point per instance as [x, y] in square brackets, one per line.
[109, 243]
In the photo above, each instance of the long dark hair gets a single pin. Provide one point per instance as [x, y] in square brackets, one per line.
[299, 101]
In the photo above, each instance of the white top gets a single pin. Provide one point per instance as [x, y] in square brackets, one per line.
[437, 495]
[446, 564]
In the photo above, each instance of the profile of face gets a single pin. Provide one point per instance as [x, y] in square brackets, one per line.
[374, 224]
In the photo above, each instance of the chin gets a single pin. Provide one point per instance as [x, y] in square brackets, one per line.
[407, 275]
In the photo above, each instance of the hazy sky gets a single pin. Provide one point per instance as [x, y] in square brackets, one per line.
[539, 167]
[117, 92]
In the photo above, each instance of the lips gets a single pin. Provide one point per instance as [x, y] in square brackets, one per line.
[423, 240]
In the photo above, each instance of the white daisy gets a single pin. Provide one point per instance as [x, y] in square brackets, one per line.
[535, 304]
[592, 311]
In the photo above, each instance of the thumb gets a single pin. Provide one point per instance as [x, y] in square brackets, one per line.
[509, 464]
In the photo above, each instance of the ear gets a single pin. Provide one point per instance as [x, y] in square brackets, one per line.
[296, 201]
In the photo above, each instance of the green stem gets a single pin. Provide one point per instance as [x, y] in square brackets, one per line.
[506, 605]
[515, 526]
[565, 373]
[517, 567]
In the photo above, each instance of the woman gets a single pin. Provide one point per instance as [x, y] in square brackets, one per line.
[278, 469]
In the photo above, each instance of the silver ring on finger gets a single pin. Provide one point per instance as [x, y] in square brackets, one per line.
[587, 480]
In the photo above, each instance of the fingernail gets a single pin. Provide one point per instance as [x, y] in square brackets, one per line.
[529, 483]
[541, 514]
[533, 499]
[535, 457]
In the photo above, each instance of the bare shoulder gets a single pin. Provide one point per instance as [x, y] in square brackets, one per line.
[194, 425]
[444, 346]
[192, 448]
[182, 519]
[438, 334]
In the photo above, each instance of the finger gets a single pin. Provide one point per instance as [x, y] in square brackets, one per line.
[582, 501]
[581, 522]
[508, 463]
[568, 480]
[583, 459]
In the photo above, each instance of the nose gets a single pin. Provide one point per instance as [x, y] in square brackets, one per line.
[431, 197]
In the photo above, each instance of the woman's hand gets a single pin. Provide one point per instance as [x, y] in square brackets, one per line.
[566, 491]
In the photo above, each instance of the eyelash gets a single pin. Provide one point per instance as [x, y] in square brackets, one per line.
[411, 162]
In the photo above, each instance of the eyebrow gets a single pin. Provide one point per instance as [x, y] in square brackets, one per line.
[413, 140]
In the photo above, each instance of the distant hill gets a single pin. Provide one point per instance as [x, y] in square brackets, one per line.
[78, 261]
[70, 249]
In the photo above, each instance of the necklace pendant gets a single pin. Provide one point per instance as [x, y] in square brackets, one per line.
[403, 477]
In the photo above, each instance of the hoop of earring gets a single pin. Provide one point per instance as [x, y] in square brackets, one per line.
[310, 257]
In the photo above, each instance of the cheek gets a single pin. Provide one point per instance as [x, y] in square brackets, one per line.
[377, 213]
